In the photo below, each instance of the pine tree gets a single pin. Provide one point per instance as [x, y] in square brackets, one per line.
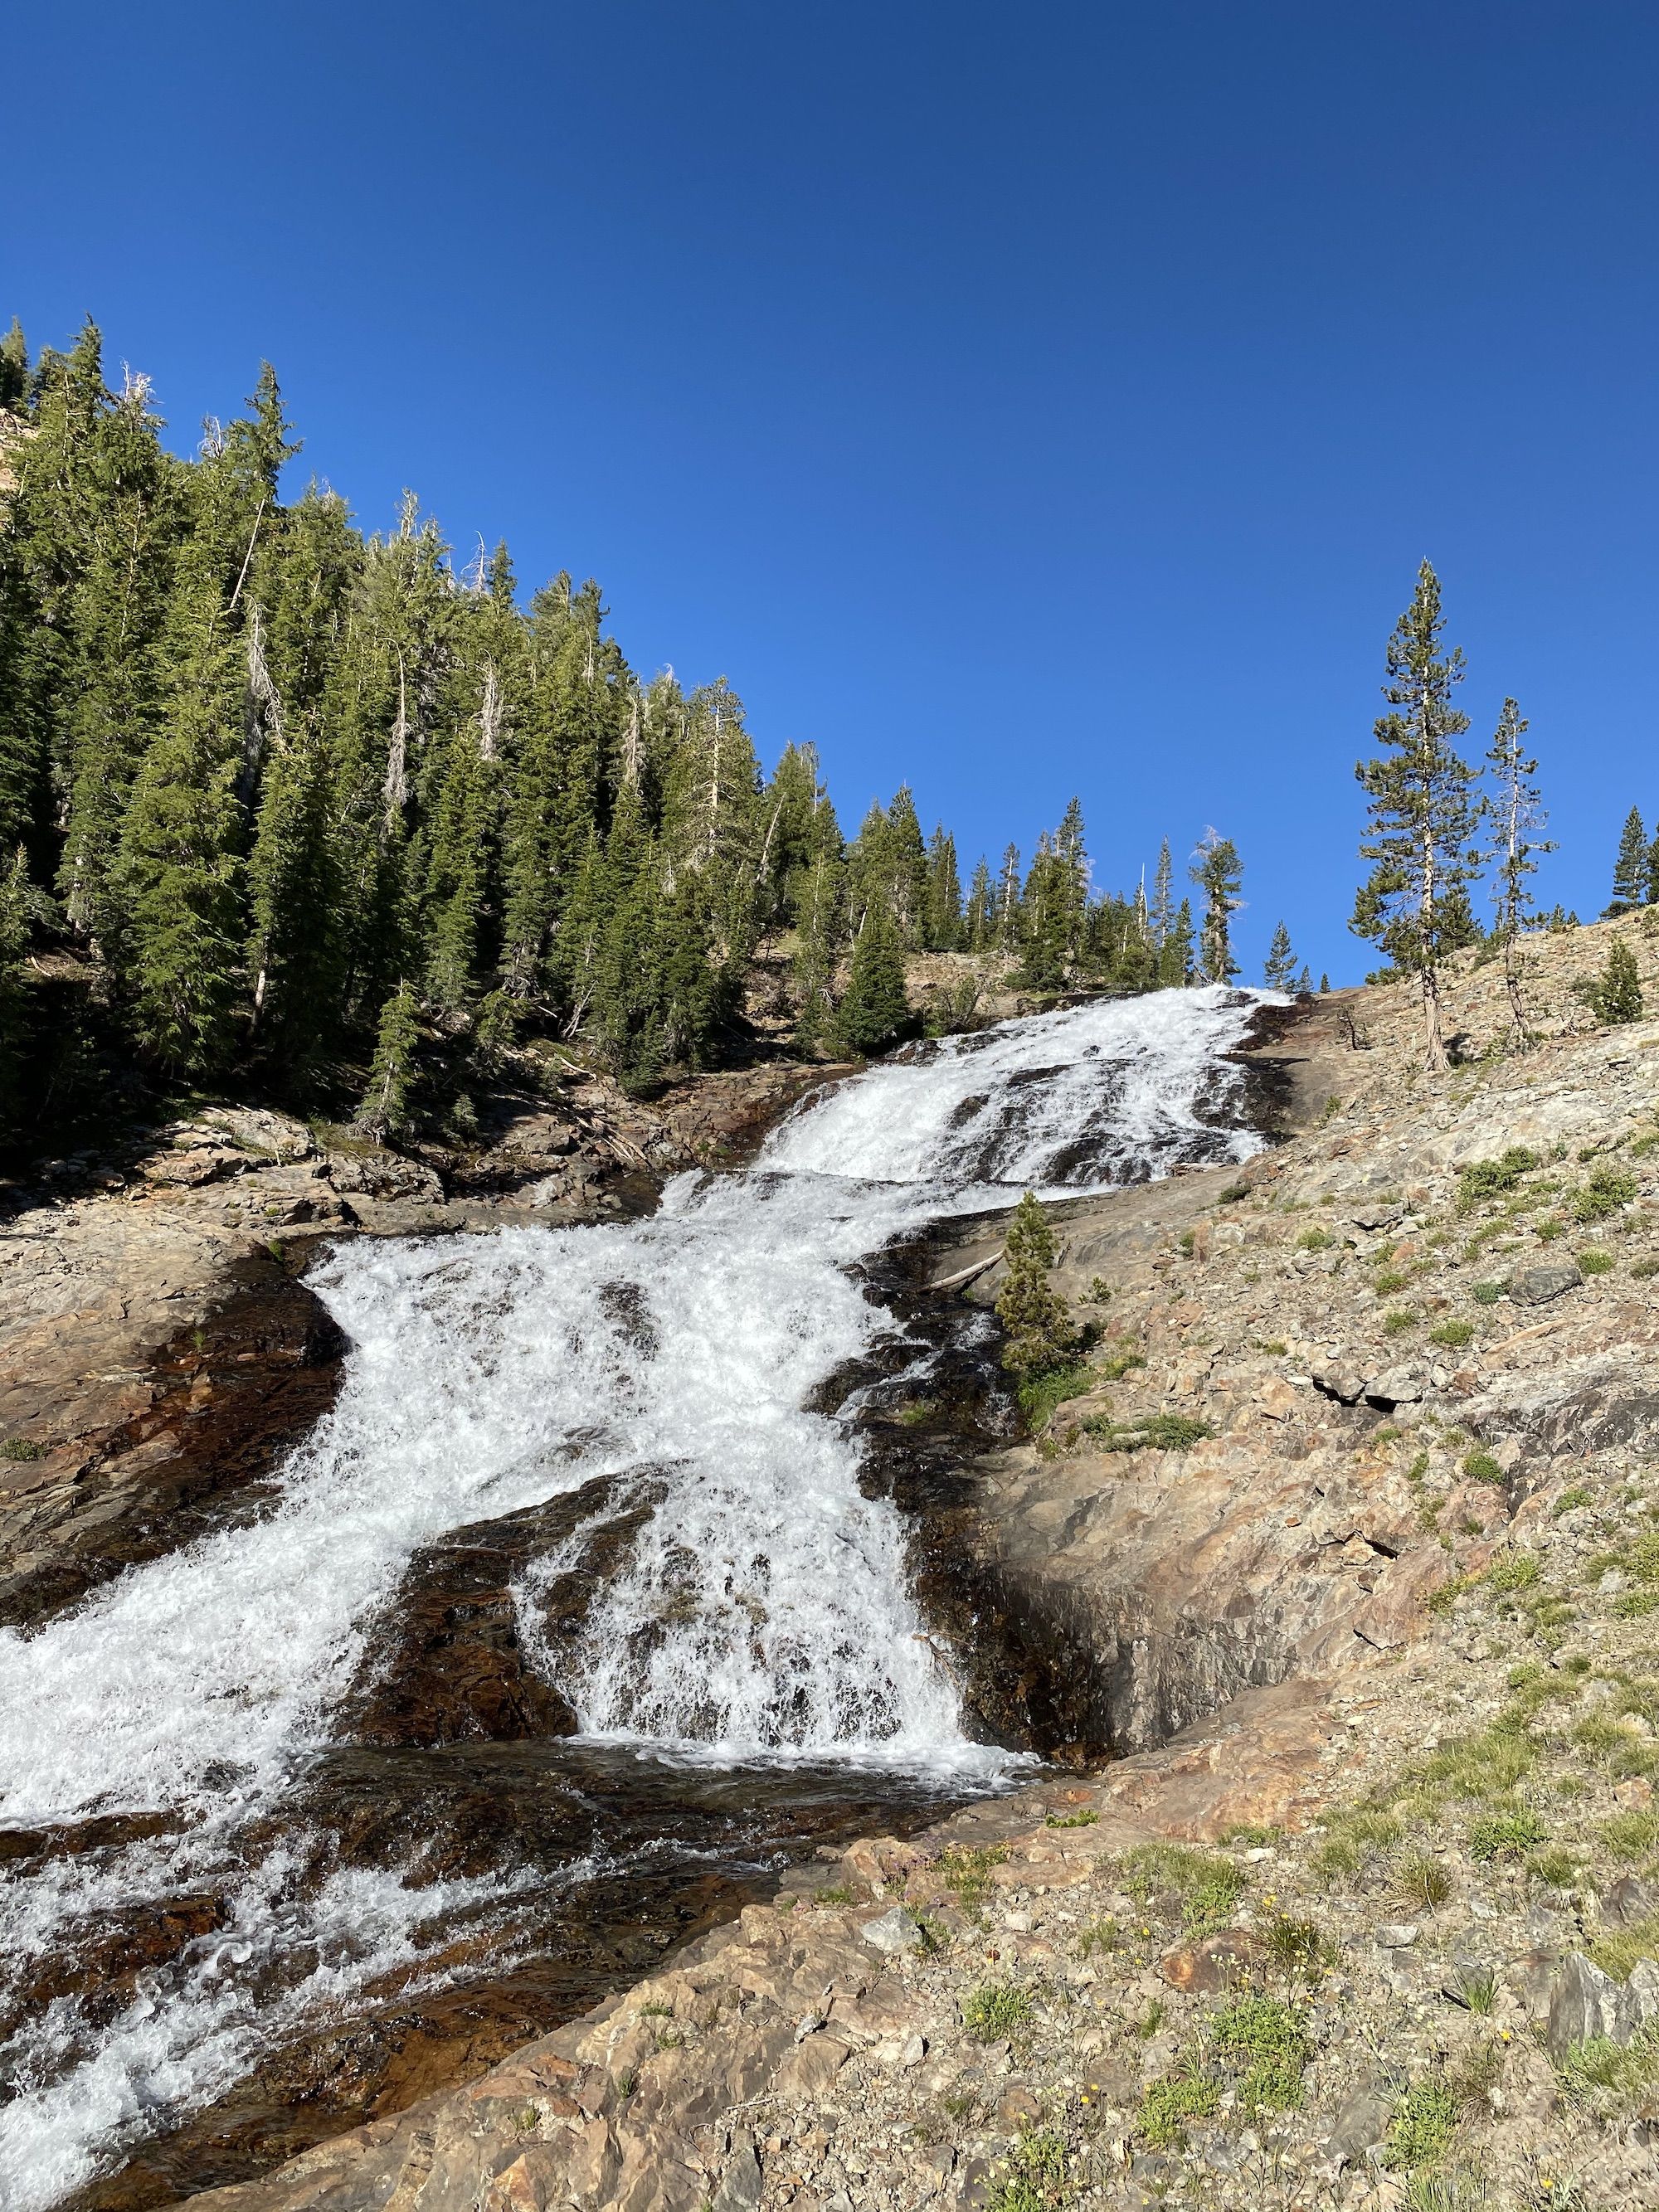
[875, 1008]
[1071, 878]
[389, 1107]
[1040, 1337]
[1006, 929]
[14, 368]
[942, 923]
[1216, 870]
[1616, 995]
[814, 967]
[179, 864]
[1279, 970]
[16, 1039]
[1517, 810]
[460, 869]
[296, 956]
[1632, 868]
[1044, 915]
[1161, 915]
[1324, 983]
[1304, 980]
[979, 921]
[1422, 809]
[1175, 957]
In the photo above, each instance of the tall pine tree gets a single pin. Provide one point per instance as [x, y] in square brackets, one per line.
[1423, 811]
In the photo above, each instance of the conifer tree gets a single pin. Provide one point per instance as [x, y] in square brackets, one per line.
[179, 864]
[15, 902]
[1162, 912]
[296, 956]
[1006, 926]
[14, 368]
[1304, 980]
[875, 1008]
[389, 1103]
[1324, 983]
[1046, 915]
[1630, 868]
[1423, 810]
[814, 967]
[1175, 958]
[1616, 995]
[942, 922]
[979, 922]
[1280, 969]
[1216, 870]
[1517, 810]
[1040, 1333]
[460, 868]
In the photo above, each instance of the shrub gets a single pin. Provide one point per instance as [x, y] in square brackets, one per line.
[1315, 1240]
[1271, 2039]
[996, 2009]
[1487, 1294]
[1397, 1323]
[1646, 1269]
[1208, 1886]
[1117, 1364]
[1294, 1947]
[1387, 1280]
[1515, 1571]
[1041, 1392]
[1422, 2125]
[1079, 1819]
[1157, 1432]
[1481, 1467]
[1166, 2106]
[1483, 1178]
[1038, 2180]
[1453, 1333]
[967, 1872]
[1608, 1190]
[1574, 1496]
[21, 1447]
[1504, 1836]
[1596, 1263]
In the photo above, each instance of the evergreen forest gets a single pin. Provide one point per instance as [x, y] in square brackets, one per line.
[332, 816]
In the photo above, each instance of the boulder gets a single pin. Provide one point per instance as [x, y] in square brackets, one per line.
[1361, 2120]
[1401, 1386]
[1589, 2005]
[1346, 1384]
[897, 1930]
[1536, 1286]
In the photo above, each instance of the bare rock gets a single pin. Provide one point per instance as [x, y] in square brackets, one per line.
[1536, 1286]
[1361, 2121]
[894, 1931]
[1587, 2005]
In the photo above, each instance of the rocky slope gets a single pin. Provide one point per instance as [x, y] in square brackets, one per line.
[1354, 1498]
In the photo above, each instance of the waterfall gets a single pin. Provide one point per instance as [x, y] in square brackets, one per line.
[763, 1613]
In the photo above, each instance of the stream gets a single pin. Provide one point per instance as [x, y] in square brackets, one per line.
[569, 1627]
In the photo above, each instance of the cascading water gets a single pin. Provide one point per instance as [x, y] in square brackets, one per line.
[761, 1614]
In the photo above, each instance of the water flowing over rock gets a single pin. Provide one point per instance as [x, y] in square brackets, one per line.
[758, 1611]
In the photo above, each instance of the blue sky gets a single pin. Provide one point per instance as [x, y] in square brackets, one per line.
[1018, 401]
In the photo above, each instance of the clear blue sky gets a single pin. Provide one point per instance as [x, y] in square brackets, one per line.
[1016, 400]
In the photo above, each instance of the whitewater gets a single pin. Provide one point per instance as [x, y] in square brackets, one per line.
[761, 1615]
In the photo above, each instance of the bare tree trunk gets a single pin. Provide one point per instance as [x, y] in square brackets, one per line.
[1434, 1042]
